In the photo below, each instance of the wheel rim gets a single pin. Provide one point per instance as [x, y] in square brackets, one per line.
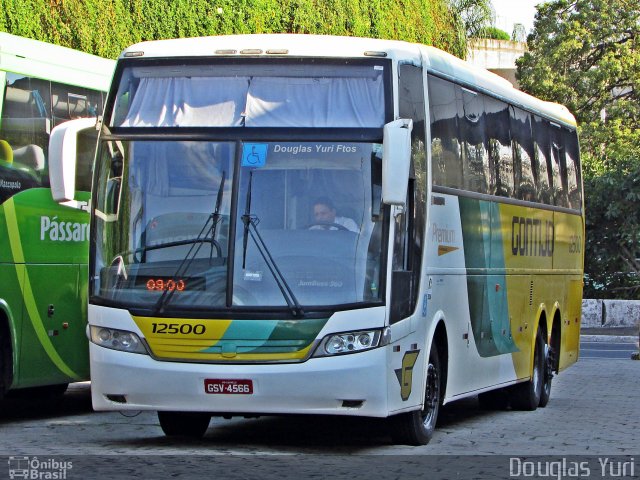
[537, 385]
[431, 398]
[548, 368]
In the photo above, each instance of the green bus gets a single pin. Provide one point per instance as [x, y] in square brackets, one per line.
[43, 245]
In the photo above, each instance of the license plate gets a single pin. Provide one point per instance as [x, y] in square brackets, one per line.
[228, 387]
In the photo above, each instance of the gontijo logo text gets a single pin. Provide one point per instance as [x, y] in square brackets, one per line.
[51, 228]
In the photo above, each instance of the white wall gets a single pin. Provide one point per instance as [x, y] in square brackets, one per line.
[610, 313]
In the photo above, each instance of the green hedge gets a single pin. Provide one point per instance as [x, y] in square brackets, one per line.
[105, 27]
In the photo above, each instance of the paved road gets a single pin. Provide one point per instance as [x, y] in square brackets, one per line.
[594, 410]
[607, 350]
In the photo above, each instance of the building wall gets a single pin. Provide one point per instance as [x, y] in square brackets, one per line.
[497, 56]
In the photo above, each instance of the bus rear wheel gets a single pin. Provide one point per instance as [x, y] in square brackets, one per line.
[417, 427]
[547, 376]
[184, 424]
[527, 395]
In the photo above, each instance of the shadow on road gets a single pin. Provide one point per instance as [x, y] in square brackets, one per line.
[30, 404]
[299, 433]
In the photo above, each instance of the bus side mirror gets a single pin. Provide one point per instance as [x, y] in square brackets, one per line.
[396, 160]
[63, 157]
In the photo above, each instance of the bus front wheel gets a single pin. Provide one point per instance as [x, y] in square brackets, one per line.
[184, 424]
[417, 427]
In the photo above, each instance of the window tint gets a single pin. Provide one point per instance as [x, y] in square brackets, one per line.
[484, 145]
[500, 152]
[69, 102]
[573, 169]
[445, 144]
[30, 109]
[478, 177]
[542, 165]
[409, 232]
[523, 155]
[558, 165]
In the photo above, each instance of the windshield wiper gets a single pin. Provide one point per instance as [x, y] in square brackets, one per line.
[250, 222]
[197, 243]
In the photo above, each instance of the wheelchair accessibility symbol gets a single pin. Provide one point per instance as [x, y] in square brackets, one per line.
[254, 154]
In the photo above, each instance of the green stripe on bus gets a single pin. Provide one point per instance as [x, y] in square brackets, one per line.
[25, 285]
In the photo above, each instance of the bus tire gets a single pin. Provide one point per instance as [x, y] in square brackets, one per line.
[184, 424]
[547, 376]
[417, 427]
[526, 395]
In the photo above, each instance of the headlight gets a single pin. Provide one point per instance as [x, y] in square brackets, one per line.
[116, 339]
[352, 342]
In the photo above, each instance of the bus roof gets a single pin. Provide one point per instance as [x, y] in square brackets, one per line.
[53, 62]
[295, 45]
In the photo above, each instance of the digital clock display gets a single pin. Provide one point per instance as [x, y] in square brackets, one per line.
[170, 284]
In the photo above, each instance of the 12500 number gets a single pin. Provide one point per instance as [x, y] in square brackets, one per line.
[173, 328]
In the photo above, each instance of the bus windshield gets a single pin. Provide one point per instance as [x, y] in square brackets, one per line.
[204, 224]
[251, 94]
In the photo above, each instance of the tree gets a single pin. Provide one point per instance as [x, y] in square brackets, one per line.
[106, 27]
[612, 263]
[494, 33]
[475, 16]
[585, 54]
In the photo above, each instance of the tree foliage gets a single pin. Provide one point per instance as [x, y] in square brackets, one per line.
[476, 16]
[105, 27]
[586, 54]
[612, 262]
[495, 33]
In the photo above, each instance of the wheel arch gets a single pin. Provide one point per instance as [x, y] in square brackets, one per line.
[441, 340]
[555, 340]
[8, 341]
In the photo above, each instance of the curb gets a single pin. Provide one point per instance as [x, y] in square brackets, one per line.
[609, 338]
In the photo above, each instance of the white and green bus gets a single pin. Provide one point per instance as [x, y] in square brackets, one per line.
[43, 245]
[298, 224]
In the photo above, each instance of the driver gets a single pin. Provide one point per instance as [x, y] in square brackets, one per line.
[325, 215]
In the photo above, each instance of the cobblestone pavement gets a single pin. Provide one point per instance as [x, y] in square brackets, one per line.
[594, 410]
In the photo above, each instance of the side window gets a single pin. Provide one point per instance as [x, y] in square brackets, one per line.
[523, 155]
[24, 134]
[478, 176]
[573, 169]
[559, 166]
[500, 152]
[409, 230]
[445, 148]
[69, 102]
[30, 109]
[110, 180]
[86, 149]
[543, 172]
